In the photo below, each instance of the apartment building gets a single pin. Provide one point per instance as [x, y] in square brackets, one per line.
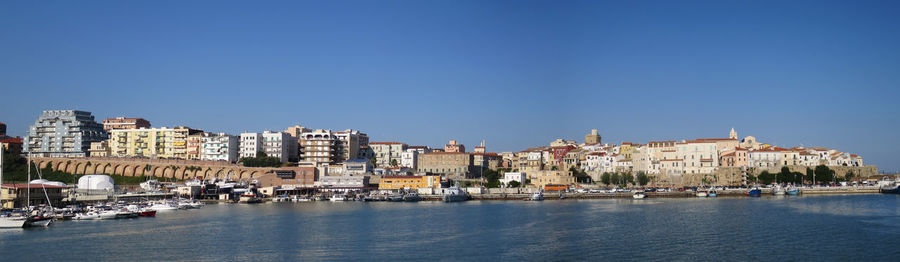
[387, 153]
[219, 147]
[160, 142]
[63, 133]
[124, 123]
[319, 146]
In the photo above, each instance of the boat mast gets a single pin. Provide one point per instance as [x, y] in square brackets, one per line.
[1, 176]
[28, 182]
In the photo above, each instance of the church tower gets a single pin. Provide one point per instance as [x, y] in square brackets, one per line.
[733, 134]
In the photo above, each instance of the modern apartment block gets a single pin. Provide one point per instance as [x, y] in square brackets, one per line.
[280, 145]
[349, 144]
[319, 146]
[219, 147]
[124, 123]
[160, 142]
[63, 133]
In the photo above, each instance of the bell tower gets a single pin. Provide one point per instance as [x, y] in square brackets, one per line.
[733, 134]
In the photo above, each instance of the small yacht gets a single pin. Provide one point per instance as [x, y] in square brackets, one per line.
[639, 195]
[754, 192]
[778, 191]
[792, 191]
[537, 196]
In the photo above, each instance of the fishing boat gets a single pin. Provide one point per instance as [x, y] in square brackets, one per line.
[537, 196]
[639, 195]
[712, 193]
[778, 191]
[455, 194]
[250, 199]
[412, 197]
[754, 192]
[702, 194]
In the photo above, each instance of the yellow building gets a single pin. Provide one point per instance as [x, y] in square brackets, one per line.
[409, 182]
[150, 142]
[543, 178]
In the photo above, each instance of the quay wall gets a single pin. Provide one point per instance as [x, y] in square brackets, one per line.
[162, 168]
[734, 176]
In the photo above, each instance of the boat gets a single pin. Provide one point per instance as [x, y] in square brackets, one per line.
[712, 193]
[412, 197]
[639, 195]
[562, 195]
[338, 198]
[163, 207]
[754, 192]
[537, 196]
[302, 199]
[126, 214]
[793, 191]
[90, 215]
[702, 194]
[281, 198]
[395, 198]
[38, 221]
[320, 198]
[250, 199]
[778, 191]
[147, 213]
[455, 194]
[108, 214]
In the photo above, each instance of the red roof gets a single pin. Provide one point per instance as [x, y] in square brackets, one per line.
[11, 140]
[18, 186]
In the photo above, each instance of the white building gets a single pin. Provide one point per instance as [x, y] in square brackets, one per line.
[513, 176]
[251, 143]
[409, 158]
[219, 147]
[768, 157]
[357, 166]
[343, 181]
[280, 145]
[698, 156]
[319, 146]
[386, 153]
[63, 133]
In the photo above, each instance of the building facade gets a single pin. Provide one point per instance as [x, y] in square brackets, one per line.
[219, 147]
[387, 153]
[160, 142]
[63, 133]
[124, 123]
[319, 146]
[409, 182]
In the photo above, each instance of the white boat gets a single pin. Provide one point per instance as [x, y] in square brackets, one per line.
[778, 191]
[12, 222]
[537, 196]
[90, 215]
[639, 195]
[108, 214]
[455, 194]
[702, 194]
[338, 198]
[159, 207]
[282, 198]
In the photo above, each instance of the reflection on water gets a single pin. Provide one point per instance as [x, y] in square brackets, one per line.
[851, 227]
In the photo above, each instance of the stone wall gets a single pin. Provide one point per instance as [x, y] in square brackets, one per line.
[733, 176]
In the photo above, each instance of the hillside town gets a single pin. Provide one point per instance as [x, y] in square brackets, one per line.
[346, 156]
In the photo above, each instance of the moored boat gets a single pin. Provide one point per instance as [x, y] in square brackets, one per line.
[639, 195]
[412, 197]
[702, 194]
[537, 196]
[754, 192]
[12, 222]
[712, 193]
[455, 194]
[338, 198]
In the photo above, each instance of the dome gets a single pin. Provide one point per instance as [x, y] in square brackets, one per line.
[47, 182]
[101, 182]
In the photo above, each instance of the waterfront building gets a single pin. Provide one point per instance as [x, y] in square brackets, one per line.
[219, 147]
[160, 142]
[593, 138]
[387, 153]
[454, 147]
[194, 141]
[790, 157]
[809, 158]
[319, 146]
[285, 177]
[513, 176]
[63, 133]
[486, 160]
[450, 163]
[764, 158]
[698, 156]
[409, 182]
[735, 157]
[349, 144]
[554, 177]
[420, 149]
[357, 166]
[12, 145]
[99, 149]
[124, 123]
[409, 158]
[14, 195]
[251, 144]
[344, 181]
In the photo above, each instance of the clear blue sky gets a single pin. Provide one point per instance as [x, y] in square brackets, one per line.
[515, 73]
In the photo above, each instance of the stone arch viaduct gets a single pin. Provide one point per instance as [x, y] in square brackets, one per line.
[162, 168]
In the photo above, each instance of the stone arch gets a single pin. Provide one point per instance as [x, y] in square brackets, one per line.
[119, 169]
[71, 167]
[245, 174]
[79, 168]
[140, 170]
[179, 173]
[61, 166]
[46, 164]
[128, 170]
[208, 172]
[220, 173]
[109, 169]
[168, 172]
[255, 174]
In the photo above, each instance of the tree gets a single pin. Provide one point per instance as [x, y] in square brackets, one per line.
[615, 179]
[492, 177]
[261, 153]
[627, 178]
[849, 176]
[580, 175]
[514, 184]
[642, 178]
[823, 174]
[394, 162]
[527, 181]
[766, 178]
[606, 178]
